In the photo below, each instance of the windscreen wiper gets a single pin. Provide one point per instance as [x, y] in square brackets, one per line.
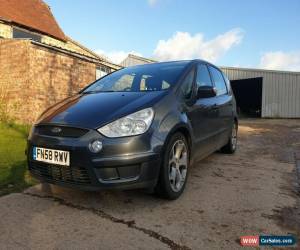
[99, 91]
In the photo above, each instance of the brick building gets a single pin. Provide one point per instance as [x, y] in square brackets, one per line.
[39, 64]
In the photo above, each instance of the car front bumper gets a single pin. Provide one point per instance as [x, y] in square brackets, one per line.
[123, 163]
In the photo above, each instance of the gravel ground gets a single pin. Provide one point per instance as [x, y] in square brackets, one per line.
[252, 192]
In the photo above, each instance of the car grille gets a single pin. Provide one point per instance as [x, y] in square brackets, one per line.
[70, 175]
[60, 131]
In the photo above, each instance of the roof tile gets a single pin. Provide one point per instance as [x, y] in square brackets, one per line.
[33, 14]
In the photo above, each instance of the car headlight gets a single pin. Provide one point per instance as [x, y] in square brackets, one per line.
[133, 124]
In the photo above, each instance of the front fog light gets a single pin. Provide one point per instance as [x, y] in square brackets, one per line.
[95, 146]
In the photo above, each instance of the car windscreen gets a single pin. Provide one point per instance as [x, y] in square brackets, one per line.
[150, 77]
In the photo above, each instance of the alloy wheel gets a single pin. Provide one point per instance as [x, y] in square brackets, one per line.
[234, 136]
[178, 163]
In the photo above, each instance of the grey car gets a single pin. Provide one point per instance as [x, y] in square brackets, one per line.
[138, 127]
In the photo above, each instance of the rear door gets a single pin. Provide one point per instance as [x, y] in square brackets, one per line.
[223, 105]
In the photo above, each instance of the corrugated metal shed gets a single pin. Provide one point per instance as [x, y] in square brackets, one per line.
[132, 60]
[280, 93]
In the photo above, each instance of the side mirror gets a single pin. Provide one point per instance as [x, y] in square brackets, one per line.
[206, 92]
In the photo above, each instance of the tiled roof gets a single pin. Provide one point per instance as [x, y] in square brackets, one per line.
[33, 14]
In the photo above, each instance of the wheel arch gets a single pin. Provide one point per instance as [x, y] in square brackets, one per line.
[235, 119]
[183, 129]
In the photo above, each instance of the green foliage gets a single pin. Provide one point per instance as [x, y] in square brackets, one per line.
[3, 112]
[14, 176]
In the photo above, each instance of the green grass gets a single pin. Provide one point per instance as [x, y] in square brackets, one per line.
[14, 176]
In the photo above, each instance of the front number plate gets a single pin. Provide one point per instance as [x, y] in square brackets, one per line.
[53, 156]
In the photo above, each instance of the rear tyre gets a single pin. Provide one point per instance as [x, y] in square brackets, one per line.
[231, 145]
[174, 169]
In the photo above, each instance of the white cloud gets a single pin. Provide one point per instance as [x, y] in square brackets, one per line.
[116, 56]
[183, 45]
[152, 2]
[280, 60]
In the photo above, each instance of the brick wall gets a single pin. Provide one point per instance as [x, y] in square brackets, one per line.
[14, 77]
[68, 45]
[5, 30]
[37, 77]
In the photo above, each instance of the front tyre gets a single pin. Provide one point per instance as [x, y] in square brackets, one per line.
[174, 169]
[231, 145]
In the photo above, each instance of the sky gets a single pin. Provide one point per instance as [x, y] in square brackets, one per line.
[251, 34]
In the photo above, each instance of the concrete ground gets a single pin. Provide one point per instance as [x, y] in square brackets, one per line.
[250, 193]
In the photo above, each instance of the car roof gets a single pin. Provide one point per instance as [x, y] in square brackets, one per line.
[177, 61]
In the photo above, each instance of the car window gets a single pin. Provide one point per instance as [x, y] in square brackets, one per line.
[150, 77]
[218, 80]
[123, 83]
[203, 77]
[228, 84]
[187, 84]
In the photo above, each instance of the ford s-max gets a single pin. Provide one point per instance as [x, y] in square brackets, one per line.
[139, 127]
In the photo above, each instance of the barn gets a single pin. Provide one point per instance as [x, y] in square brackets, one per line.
[266, 93]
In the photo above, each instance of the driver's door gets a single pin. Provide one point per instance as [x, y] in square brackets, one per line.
[203, 115]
